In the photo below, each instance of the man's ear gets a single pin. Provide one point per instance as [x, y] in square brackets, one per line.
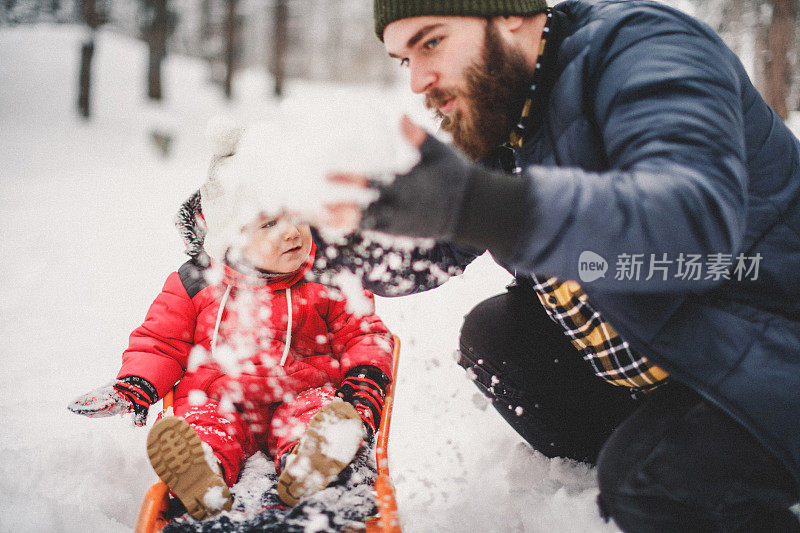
[511, 23]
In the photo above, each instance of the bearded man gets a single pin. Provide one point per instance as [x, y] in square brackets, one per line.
[616, 158]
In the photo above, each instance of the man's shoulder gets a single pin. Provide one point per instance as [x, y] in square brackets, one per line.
[604, 22]
[599, 32]
[614, 10]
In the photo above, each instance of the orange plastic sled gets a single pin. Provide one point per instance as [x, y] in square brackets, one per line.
[152, 515]
[386, 521]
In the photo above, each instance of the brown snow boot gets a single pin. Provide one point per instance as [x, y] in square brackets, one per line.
[330, 442]
[178, 457]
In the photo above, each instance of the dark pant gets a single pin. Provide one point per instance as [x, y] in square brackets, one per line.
[668, 462]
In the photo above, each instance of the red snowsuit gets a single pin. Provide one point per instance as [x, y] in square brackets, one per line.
[274, 403]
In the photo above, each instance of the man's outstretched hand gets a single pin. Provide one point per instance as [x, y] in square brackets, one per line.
[425, 202]
[445, 197]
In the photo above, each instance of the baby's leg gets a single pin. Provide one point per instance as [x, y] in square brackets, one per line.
[198, 454]
[330, 433]
[226, 435]
[291, 419]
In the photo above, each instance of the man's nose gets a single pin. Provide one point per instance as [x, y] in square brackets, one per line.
[423, 78]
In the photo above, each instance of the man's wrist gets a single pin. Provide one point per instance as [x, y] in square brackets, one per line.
[494, 208]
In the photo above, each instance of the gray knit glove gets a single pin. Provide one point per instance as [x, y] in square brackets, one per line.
[427, 201]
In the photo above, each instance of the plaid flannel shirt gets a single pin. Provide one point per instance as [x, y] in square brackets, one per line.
[611, 356]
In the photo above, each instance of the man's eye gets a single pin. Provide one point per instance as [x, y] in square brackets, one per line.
[404, 62]
[269, 224]
[432, 43]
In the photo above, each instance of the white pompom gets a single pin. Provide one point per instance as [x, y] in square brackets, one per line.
[223, 135]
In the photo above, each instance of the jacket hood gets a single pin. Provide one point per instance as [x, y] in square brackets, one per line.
[192, 228]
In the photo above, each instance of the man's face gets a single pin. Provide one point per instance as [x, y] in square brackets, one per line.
[470, 78]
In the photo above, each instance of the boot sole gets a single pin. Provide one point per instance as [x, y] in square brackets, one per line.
[308, 469]
[176, 454]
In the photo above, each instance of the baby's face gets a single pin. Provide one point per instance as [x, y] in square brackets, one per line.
[276, 245]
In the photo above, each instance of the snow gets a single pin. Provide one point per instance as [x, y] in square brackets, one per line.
[341, 438]
[214, 498]
[211, 460]
[197, 397]
[254, 174]
[86, 212]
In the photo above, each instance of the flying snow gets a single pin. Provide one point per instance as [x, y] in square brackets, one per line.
[279, 165]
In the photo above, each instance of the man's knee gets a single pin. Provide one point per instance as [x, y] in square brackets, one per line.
[610, 481]
[490, 339]
[680, 464]
[637, 506]
[512, 327]
[481, 326]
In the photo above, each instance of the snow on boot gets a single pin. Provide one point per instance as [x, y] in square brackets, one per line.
[330, 442]
[178, 457]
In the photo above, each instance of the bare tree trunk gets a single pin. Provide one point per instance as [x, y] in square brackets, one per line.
[796, 59]
[338, 65]
[205, 17]
[780, 41]
[92, 19]
[154, 74]
[85, 79]
[761, 48]
[735, 25]
[280, 45]
[157, 39]
[230, 47]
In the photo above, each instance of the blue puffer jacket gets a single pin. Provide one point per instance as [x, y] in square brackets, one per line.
[665, 147]
[654, 141]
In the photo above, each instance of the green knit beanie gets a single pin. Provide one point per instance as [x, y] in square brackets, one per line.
[387, 11]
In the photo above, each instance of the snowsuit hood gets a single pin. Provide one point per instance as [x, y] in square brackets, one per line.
[192, 228]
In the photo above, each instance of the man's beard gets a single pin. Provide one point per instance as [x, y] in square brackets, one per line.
[495, 89]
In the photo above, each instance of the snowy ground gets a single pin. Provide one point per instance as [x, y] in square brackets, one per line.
[87, 239]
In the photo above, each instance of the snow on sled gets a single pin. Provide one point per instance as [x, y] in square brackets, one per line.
[362, 498]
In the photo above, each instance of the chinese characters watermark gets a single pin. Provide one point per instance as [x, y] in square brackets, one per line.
[692, 267]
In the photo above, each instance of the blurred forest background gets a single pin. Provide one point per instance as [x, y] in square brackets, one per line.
[332, 40]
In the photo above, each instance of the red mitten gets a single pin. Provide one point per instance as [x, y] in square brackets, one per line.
[130, 394]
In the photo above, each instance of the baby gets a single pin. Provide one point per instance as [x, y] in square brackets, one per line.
[285, 366]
